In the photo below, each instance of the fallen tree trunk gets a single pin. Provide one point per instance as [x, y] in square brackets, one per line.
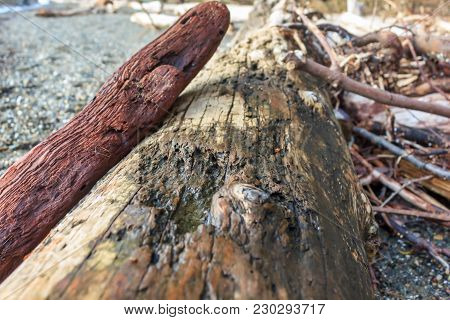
[247, 191]
[38, 190]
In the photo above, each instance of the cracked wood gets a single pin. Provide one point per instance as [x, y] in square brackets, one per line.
[247, 191]
[39, 189]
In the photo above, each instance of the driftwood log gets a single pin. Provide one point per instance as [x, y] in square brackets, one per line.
[38, 190]
[247, 191]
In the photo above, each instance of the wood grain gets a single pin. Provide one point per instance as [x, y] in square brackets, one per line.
[246, 192]
[39, 189]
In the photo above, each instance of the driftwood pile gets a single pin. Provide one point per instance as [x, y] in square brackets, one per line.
[390, 89]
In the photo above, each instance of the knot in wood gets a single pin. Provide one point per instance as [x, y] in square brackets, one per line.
[237, 206]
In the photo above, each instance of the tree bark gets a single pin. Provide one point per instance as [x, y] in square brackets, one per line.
[38, 190]
[246, 192]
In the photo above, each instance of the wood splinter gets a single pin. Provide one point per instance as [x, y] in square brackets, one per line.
[39, 189]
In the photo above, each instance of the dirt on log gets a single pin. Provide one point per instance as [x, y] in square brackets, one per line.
[38, 190]
[246, 192]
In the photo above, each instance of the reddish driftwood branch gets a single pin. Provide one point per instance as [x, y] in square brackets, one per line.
[337, 78]
[38, 190]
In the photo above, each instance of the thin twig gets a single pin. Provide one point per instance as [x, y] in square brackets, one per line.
[394, 185]
[415, 213]
[337, 78]
[436, 206]
[420, 242]
[440, 172]
[149, 14]
[388, 199]
[424, 77]
[323, 41]
[441, 85]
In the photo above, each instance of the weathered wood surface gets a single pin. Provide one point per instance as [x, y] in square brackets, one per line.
[38, 190]
[247, 191]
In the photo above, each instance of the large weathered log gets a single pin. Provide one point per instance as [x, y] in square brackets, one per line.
[38, 190]
[248, 191]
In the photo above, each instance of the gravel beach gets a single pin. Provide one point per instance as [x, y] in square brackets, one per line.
[43, 83]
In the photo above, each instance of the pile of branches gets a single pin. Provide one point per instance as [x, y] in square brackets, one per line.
[390, 93]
